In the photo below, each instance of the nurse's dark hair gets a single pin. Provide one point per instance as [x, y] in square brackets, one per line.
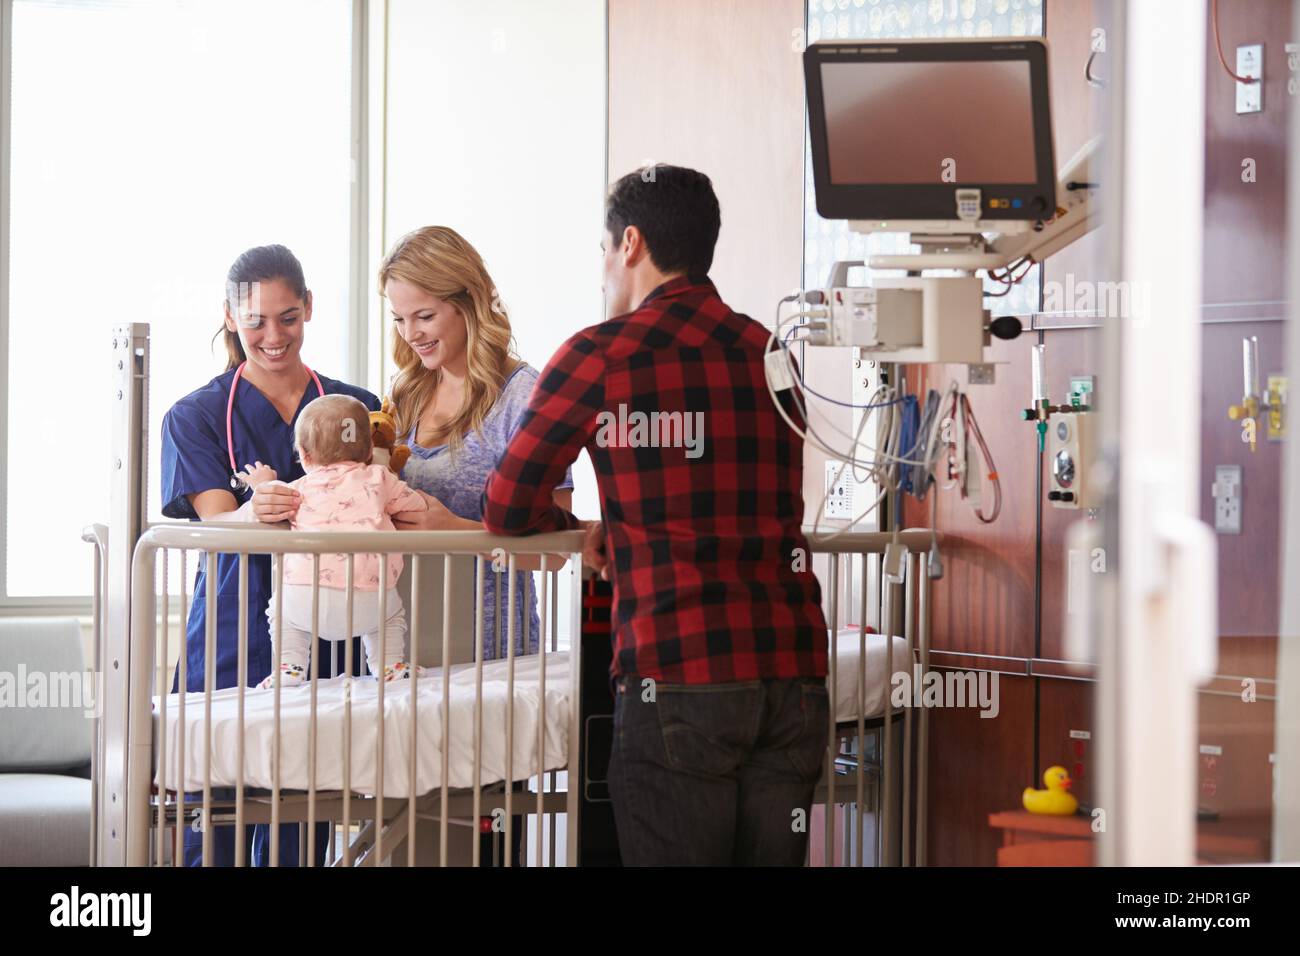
[677, 212]
[259, 264]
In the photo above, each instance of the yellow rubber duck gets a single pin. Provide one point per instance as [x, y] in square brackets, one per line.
[1054, 801]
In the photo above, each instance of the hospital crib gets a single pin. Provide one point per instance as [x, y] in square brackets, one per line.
[408, 772]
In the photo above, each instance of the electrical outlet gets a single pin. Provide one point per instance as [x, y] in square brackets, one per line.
[1227, 499]
[839, 495]
[1250, 62]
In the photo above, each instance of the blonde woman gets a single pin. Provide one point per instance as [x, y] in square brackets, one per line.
[458, 394]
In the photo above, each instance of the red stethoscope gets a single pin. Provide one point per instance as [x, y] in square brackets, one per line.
[237, 482]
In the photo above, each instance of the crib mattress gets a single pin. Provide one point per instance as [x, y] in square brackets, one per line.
[295, 716]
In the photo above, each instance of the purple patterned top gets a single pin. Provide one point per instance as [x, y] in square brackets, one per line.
[458, 481]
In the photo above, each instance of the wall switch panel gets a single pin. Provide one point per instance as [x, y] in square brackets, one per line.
[839, 495]
[1227, 499]
[1250, 62]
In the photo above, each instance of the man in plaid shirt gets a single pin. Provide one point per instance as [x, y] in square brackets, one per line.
[720, 645]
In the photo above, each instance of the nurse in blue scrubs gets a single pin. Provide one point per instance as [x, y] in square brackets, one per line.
[246, 415]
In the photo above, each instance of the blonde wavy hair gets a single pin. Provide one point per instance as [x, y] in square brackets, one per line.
[439, 261]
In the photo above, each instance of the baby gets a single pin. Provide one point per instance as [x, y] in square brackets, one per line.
[342, 491]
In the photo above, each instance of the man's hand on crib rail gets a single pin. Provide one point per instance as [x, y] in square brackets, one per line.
[593, 548]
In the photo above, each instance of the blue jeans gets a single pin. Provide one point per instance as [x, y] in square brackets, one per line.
[716, 774]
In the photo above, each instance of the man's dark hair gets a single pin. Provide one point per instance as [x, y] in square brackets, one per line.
[677, 212]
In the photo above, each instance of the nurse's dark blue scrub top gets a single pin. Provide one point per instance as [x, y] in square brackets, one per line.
[195, 459]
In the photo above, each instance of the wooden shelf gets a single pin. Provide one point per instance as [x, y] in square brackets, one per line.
[1032, 839]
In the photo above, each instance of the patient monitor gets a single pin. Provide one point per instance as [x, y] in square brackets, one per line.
[951, 142]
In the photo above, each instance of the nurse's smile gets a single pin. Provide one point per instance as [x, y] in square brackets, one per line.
[270, 326]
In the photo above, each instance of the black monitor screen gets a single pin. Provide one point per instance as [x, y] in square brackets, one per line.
[922, 129]
[962, 122]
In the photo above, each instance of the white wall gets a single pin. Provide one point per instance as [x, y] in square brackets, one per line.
[730, 104]
[496, 127]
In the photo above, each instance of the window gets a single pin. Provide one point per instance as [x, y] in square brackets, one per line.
[518, 167]
[152, 142]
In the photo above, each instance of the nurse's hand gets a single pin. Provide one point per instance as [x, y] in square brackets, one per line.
[273, 503]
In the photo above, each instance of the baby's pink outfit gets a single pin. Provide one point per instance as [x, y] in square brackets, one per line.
[349, 496]
[344, 496]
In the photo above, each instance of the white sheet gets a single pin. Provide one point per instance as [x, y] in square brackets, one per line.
[847, 673]
[295, 714]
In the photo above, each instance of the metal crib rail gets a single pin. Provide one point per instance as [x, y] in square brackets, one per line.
[388, 823]
[893, 775]
[144, 760]
[97, 534]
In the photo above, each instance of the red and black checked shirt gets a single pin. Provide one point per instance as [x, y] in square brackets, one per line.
[703, 537]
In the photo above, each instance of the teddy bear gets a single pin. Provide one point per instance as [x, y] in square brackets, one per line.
[383, 438]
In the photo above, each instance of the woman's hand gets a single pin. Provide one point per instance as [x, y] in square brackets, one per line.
[274, 502]
[434, 517]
